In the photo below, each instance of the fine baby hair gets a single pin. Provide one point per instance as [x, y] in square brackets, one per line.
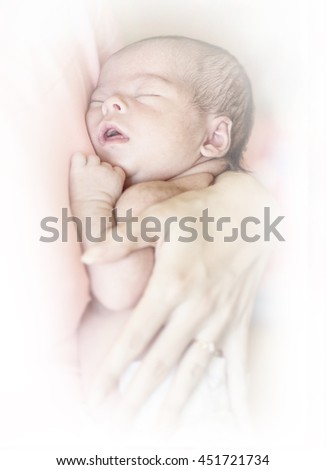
[218, 82]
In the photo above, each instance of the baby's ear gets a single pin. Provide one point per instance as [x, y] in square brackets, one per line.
[218, 141]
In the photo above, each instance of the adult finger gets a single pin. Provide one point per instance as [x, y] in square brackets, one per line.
[235, 353]
[235, 344]
[194, 363]
[190, 371]
[196, 360]
[139, 331]
[164, 354]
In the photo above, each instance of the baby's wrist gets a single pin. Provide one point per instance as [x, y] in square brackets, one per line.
[92, 208]
[92, 223]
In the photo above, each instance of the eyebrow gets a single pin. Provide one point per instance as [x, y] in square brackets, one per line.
[139, 76]
[152, 76]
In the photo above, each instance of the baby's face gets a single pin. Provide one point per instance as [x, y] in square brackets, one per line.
[142, 119]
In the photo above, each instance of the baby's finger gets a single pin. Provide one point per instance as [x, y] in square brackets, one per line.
[78, 160]
[120, 172]
[93, 160]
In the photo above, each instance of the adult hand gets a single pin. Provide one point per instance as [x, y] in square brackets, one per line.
[200, 294]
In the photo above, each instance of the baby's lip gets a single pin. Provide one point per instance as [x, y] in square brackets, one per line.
[109, 132]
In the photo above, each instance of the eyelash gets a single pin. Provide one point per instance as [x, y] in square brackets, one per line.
[146, 94]
[138, 96]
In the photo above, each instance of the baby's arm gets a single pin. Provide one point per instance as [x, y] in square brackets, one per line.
[120, 285]
[142, 195]
[95, 187]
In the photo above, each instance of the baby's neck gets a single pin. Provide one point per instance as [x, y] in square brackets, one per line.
[214, 166]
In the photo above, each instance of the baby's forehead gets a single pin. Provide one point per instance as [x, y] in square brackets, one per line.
[132, 62]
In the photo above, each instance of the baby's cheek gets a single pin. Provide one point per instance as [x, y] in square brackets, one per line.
[88, 116]
[91, 119]
[92, 132]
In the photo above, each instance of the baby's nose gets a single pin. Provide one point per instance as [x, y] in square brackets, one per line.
[113, 104]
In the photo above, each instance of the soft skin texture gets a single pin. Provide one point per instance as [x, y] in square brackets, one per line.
[166, 135]
[155, 148]
[152, 143]
[119, 285]
[204, 290]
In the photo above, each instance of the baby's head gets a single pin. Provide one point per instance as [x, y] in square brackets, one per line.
[164, 105]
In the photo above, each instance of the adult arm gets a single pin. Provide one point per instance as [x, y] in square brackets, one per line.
[200, 292]
[118, 285]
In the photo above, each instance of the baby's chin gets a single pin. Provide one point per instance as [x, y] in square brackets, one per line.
[139, 177]
[132, 179]
[105, 158]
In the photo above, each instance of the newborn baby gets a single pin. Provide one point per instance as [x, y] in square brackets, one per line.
[168, 115]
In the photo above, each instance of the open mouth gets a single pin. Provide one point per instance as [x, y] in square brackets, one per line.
[111, 133]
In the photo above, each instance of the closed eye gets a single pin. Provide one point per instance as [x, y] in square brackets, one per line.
[96, 101]
[146, 95]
